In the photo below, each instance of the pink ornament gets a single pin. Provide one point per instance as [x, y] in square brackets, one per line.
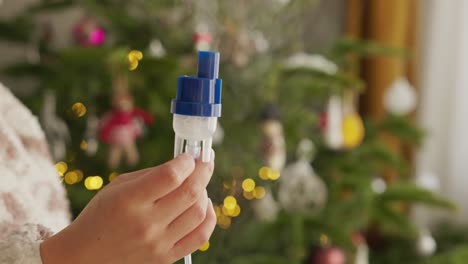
[87, 32]
[97, 37]
[331, 255]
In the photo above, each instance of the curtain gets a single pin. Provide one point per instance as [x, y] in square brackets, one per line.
[443, 108]
[393, 24]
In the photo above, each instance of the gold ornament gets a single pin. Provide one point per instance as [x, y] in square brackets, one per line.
[353, 131]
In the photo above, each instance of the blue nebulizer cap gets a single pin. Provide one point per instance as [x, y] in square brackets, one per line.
[200, 95]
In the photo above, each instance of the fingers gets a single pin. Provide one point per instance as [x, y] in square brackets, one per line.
[154, 183]
[175, 203]
[197, 237]
[189, 220]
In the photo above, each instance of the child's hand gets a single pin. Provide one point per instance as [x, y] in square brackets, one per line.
[156, 216]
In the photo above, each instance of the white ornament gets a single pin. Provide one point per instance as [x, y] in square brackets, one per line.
[362, 254]
[334, 130]
[426, 244]
[428, 180]
[266, 209]
[378, 185]
[260, 42]
[400, 98]
[311, 61]
[156, 49]
[301, 189]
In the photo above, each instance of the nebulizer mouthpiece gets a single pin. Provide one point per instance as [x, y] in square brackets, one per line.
[197, 107]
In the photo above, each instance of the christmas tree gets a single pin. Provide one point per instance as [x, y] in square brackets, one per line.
[300, 174]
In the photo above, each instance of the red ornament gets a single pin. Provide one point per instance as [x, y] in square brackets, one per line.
[330, 255]
[202, 37]
[323, 120]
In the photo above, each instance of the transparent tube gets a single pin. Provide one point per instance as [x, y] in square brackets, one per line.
[193, 135]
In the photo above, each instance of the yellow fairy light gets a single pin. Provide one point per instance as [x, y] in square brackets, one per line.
[79, 173]
[224, 221]
[259, 192]
[249, 195]
[236, 211]
[228, 212]
[230, 202]
[79, 109]
[205, 246]
[248, 185]
[93, 182]
[71, 177]
[217, 210]
[83, 145]
[135, 55]
[112, 176]
[227, 185]
[264, 173]
[133, 58]
[324, 240]
[61, 167]
[274, 175]
[133, 65]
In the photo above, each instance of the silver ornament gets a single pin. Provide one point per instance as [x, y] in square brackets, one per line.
[301, 189]
[266, 209]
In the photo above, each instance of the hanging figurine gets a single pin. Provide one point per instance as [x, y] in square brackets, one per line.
[300, 188]
[273, 146]
[202, 38]
[122, 126]
[55, 128]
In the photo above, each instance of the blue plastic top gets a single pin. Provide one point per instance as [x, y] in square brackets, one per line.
[200, 95]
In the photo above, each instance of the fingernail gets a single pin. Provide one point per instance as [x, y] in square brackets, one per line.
[209, 200]
[213, 154]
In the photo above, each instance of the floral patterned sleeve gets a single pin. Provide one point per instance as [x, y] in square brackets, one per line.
[33, 203]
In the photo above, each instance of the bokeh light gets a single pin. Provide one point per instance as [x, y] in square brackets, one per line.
[224, 221]
[61, 167]
[230, 202]
[205, 246]
[324, 240]
[248, 185]
[93, 182]
[71, 177]
[83, 145]
[134, 57]
[259, 192]
[264, 173]
[112, 176]
[80, 175]
[248, 195]
[79, 109]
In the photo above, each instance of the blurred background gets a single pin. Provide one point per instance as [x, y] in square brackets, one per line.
[342, 138]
